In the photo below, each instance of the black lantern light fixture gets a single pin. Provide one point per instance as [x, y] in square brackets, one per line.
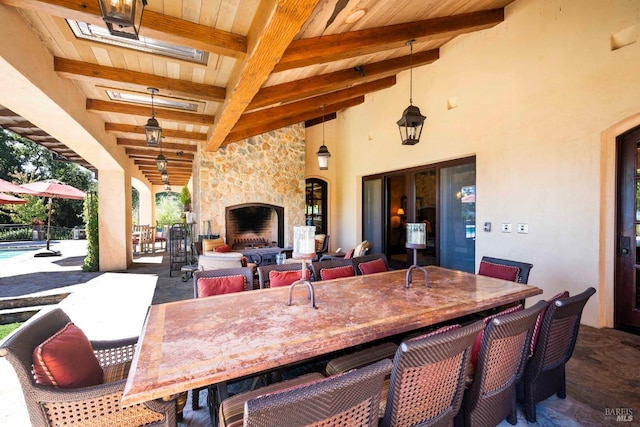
[164, 176]
[152, 129]
[167, 187]
[410, 124]
[123, 17]
[161, 162]
[323, 152]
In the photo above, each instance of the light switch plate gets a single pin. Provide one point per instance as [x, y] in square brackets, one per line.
[523, 228]
[506, 227]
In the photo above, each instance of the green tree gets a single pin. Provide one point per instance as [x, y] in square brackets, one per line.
[168, 208]
[22, 161]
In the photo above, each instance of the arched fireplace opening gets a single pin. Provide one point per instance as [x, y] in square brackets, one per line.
[254, 225]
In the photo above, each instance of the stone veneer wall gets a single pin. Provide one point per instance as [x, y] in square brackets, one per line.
[269, 168]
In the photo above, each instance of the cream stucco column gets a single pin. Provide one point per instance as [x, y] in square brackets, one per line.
[115, 226]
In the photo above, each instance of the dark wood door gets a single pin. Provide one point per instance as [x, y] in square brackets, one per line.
[627, 277]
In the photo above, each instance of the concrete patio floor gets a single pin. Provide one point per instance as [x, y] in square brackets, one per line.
[114, 305]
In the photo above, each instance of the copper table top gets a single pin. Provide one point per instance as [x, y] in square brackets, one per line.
[193, 343]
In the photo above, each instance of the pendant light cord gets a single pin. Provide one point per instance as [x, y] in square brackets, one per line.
[322, 124]
[411, 72]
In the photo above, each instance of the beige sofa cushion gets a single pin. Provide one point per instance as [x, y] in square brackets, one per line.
[220, 260]
[209, 245]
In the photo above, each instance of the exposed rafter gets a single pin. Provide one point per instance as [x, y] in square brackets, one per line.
[161, 113]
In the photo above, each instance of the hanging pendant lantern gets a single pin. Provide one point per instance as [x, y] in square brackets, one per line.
[123, 17]
[410, 124]
[152, 129]
[323, 152]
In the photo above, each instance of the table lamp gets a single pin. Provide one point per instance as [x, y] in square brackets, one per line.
[416, 239]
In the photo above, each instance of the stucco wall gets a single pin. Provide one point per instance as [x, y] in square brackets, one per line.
[535, 96]
[269, 168]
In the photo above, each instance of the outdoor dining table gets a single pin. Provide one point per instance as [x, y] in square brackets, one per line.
[193, 343]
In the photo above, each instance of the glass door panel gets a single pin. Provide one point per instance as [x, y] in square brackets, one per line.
[425, 211]
[372, 214]
[458, 217]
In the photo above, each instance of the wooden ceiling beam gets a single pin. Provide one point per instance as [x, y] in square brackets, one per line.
[290, 120]
[166, 133]
[152, 162]
[154, 25]
[160, 113]
[132, 152]
[334, 47]
[141, 143]
[100, 74]
[276, 24]
[256, 118]
[313, 86]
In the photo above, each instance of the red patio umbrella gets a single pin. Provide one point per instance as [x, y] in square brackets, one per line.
[8, 187]
[52, 188]
[8, 199]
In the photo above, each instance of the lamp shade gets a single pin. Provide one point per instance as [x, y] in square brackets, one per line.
[323, 157]
[123, 17]
[410, 125]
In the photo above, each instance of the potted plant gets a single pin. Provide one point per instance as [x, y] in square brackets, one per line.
[185, 198]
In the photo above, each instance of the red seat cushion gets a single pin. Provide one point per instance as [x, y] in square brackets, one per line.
[499, 271]
[223, 249]
[285, 278]
[336, 272]
[67, 360]
[478, 341]
[371, 267]
[209, 286]
[538, 324]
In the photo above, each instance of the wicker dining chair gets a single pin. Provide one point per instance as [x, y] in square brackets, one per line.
[265, 270]
[428, 378]
[544, 374]
[318, 266]
[368, 258]
[198, 276]
[350, 399]
[94, 405]
[501, 360]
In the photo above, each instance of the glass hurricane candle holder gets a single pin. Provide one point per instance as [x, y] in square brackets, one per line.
[304, 242]
[416, 235]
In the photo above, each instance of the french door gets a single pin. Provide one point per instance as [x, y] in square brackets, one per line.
[442, 196]
[627, 274]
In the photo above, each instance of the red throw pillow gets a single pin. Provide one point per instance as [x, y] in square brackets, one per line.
[209, 286]
[285, 278]
[67, 360]
[371, 267]
[223, 248]
[504, 272]
[336, 272]
[478, 341]
[349, 254]
[538, 324]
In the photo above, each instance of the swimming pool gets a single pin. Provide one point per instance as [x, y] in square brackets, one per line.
[6, 254]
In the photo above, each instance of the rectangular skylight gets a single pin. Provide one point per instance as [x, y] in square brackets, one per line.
[99, 34]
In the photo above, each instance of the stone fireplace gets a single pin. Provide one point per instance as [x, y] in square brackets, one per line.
[254, 225]
[265, 170]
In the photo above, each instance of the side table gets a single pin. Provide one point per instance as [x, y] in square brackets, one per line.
[187, 271]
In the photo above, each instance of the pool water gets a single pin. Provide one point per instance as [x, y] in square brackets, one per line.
[10, 253]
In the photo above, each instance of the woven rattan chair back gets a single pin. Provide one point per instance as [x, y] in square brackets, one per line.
[96, 405]
[524, 267]
[318, 266]
[501, 361]
[544, 374]
[247, 272]
[264, 270]
[350, 399]
[366, 258]
[428, 378]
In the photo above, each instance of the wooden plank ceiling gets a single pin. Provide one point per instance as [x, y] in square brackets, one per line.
[271, 63]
